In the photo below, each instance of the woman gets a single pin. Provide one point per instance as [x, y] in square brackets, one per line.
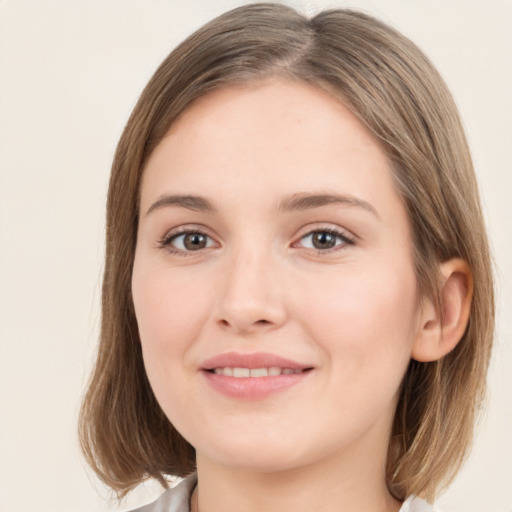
[297, 303]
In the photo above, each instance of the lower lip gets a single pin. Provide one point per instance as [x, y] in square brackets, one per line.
[253, 388]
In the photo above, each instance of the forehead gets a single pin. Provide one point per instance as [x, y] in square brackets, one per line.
[273, 138]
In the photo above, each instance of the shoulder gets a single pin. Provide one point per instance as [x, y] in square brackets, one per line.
[176, 499]
[414, 504]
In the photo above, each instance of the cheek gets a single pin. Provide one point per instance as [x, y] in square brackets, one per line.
[366, 319]
[364, 328]
[169, 312]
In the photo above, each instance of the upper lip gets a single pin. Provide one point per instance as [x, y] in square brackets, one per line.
[251, 360]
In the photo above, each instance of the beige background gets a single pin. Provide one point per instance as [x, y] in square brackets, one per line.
[70, 72]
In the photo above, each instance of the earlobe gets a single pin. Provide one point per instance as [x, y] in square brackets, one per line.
[439, 332]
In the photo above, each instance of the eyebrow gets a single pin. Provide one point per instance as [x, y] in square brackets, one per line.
[295, 202]
[305, 201]
[194, 203]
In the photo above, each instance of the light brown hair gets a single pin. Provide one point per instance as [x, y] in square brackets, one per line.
[389, 84]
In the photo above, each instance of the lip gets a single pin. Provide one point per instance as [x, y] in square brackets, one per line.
[251, 360]
[252, 388]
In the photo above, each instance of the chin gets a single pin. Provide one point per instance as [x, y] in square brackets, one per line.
[256, 454]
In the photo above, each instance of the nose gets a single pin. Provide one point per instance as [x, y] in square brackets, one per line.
[251, 297]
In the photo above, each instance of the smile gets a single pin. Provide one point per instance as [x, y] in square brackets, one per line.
[244, 373]
[253, 376]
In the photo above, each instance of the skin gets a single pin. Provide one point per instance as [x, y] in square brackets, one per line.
[351, 312]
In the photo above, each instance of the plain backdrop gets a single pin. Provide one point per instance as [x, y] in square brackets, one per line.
[70, 72]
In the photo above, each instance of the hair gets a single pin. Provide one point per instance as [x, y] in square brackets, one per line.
[391, 86]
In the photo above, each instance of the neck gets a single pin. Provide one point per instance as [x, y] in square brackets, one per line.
[355, 486]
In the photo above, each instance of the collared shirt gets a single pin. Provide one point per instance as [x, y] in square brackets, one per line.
[177, 499]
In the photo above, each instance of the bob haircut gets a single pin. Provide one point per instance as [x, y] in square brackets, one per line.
[391, 86]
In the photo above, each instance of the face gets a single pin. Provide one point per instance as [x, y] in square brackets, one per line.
[273, 280]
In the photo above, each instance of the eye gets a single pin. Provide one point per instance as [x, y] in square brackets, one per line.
[324, 239]
[187, 241]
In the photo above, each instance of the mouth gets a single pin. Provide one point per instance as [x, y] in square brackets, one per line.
[244, 373]
[253, 376]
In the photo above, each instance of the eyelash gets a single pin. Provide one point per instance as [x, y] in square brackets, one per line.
[338, 234]
[167, 240]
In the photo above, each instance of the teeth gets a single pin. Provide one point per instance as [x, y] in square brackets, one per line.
[273, 371]
[241, 372]
[259, 372]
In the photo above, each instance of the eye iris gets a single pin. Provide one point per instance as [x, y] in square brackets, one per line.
[194, 241]
[323, 240]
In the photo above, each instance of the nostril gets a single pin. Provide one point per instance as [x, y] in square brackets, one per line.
[262, 323]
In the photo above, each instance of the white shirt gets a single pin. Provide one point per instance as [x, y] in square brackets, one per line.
[177, 499]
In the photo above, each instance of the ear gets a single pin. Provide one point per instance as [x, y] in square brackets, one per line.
[438, 334]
